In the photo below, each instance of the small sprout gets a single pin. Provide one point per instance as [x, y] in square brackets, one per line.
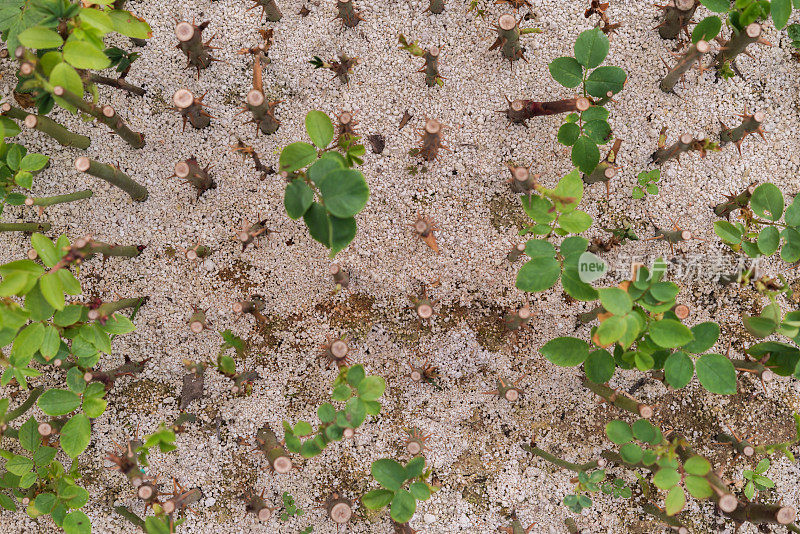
[190, 42]
[677, 17]
[516, 252]
[506, 390]
[424, 228]
[257, 506]
[263, 112]
[290, 509]
[338, 508]
[756, 481]
[341, 68]
[191, 109]
[750, 124]
[198, 321]
[522, 181]
[685, 143]
[508, 34]
[251, 231]
[692, 55]
[113, 176]
[267, 443]
[191, 172]
[431, 57]
[347, 13]
[431, 137]
[336, 352]
[415, 443]
[340, 276]
[647, 181]
[515, 320]
[269, 9]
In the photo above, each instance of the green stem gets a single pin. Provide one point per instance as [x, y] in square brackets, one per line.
[25, 227]
[106, 114]
[22, 408]
[555, 460]
[130, 516]
[620, 401]
[112, 175]
[59, 199]
[47, 126]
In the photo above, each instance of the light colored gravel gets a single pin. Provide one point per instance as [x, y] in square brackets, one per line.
[474, 444]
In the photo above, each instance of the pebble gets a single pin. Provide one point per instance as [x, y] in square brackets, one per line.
[430, 518]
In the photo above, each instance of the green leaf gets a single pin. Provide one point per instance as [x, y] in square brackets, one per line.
[698, 487]
[780, 10]
[565, 351]
[28, 342]
[568, 191]
[68, 316]
[355, 375]
[298, 198]
[575, 222]
[319, 171]
[792, 214]
[728, 232]
[371, 388]
[631, 453]
[566, 71]
[342, 392]
[389, 473]
[129, 25]
[568, 133]
[40, 38]
[345, 192]
[759, 327]
[538, 274]
[599, 366]
[84, 55]
[19, 465]
[52, 290]
[415, 467]
[29, 438]
[97, 19]
[615, 300]
[768, 240]
[676, 498]
[706, 29]
[697, 465]
[319, 128]
[598, 131]
[76, 522]
[75, 380]
[585, 154]
[604, 80]
[716, 373]
[377, 499]
[664, 291]
[326, 413]
[58, 401]
[669, 333]
[666, 477]
[678, 369]
[296, 156]
[403, 506]
[318, 223]
[67, 77]
[343, 231]
[611, 330]
[767, 202]
[45, 248]
[43, 456]
[619, 432]
[717, 6]
[75, 435]
[302, 428]
[591, 48]
[705, 336]
[33, 162]
[420, 491]
[94, 407]
[45, 502]
[355, 411]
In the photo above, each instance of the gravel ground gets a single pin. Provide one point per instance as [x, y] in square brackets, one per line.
[474, 444]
